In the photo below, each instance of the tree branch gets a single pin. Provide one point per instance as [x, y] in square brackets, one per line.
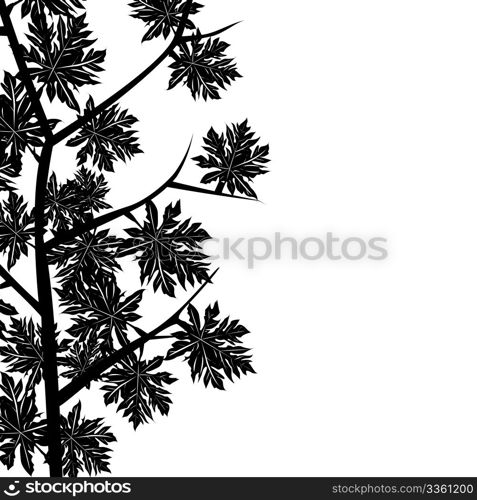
[83, 120]
[93, 224]
[48, 325]
[96, 370]
[23, 69]
[45, 299]
[13, 283]
[200, 36]
[66, 236]
[195, 189]
[13, 5]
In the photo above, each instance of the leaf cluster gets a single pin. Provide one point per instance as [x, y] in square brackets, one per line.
[61, 57]
[162, 17]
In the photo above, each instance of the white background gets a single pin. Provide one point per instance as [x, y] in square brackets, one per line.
[364, 368]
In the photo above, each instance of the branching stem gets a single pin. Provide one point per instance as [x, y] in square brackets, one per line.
[45, 299]
[91, 225]
[54, 398]
[83, 120]
[96, 370]
[13, 283]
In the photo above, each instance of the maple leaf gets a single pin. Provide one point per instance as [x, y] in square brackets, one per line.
[106, 309]
[85, 257]
[10, 168]
[61, 57]
[59, 7]
[19, 427]
[62, 205]
[168, 252]
[81, 356]
[19, 126]
[234, 159]
[107, 138]
[162, 16]
[213, 349]
[91, 190]
[75, 200]
[203, 67]
[22, 350]
[16, 228]
[84, 444]
[139, 387]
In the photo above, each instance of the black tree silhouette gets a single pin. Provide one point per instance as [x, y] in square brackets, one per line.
[78, 258]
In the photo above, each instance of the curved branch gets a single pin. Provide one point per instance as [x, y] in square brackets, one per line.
[116, 214]
[17, 51]
[93, 224]
[13, 283]
[200, 36]
[96, 370]
[83, 120]
[195, 189]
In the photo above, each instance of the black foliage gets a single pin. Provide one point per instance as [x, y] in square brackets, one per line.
[107, 138]
[162, 17]
[234, 158]
[16, 228]
[203, 67]
[168, 251]
[213, 348]
[7, 309]
[60, 7]
[20, 428]
[102, 308]
[21, 349]
[101, 341]
[139, 387]
[19, 126]
[10, 168]
[84, 444]
[76, 200]
[87, 257]
[81, 356]
[61, 57]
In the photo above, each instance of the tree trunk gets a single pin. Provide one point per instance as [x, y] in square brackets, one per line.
[48, 327]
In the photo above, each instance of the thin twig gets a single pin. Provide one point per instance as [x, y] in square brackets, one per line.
[200, 36]
[13, 283]
[34, 153]
[195, 189]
